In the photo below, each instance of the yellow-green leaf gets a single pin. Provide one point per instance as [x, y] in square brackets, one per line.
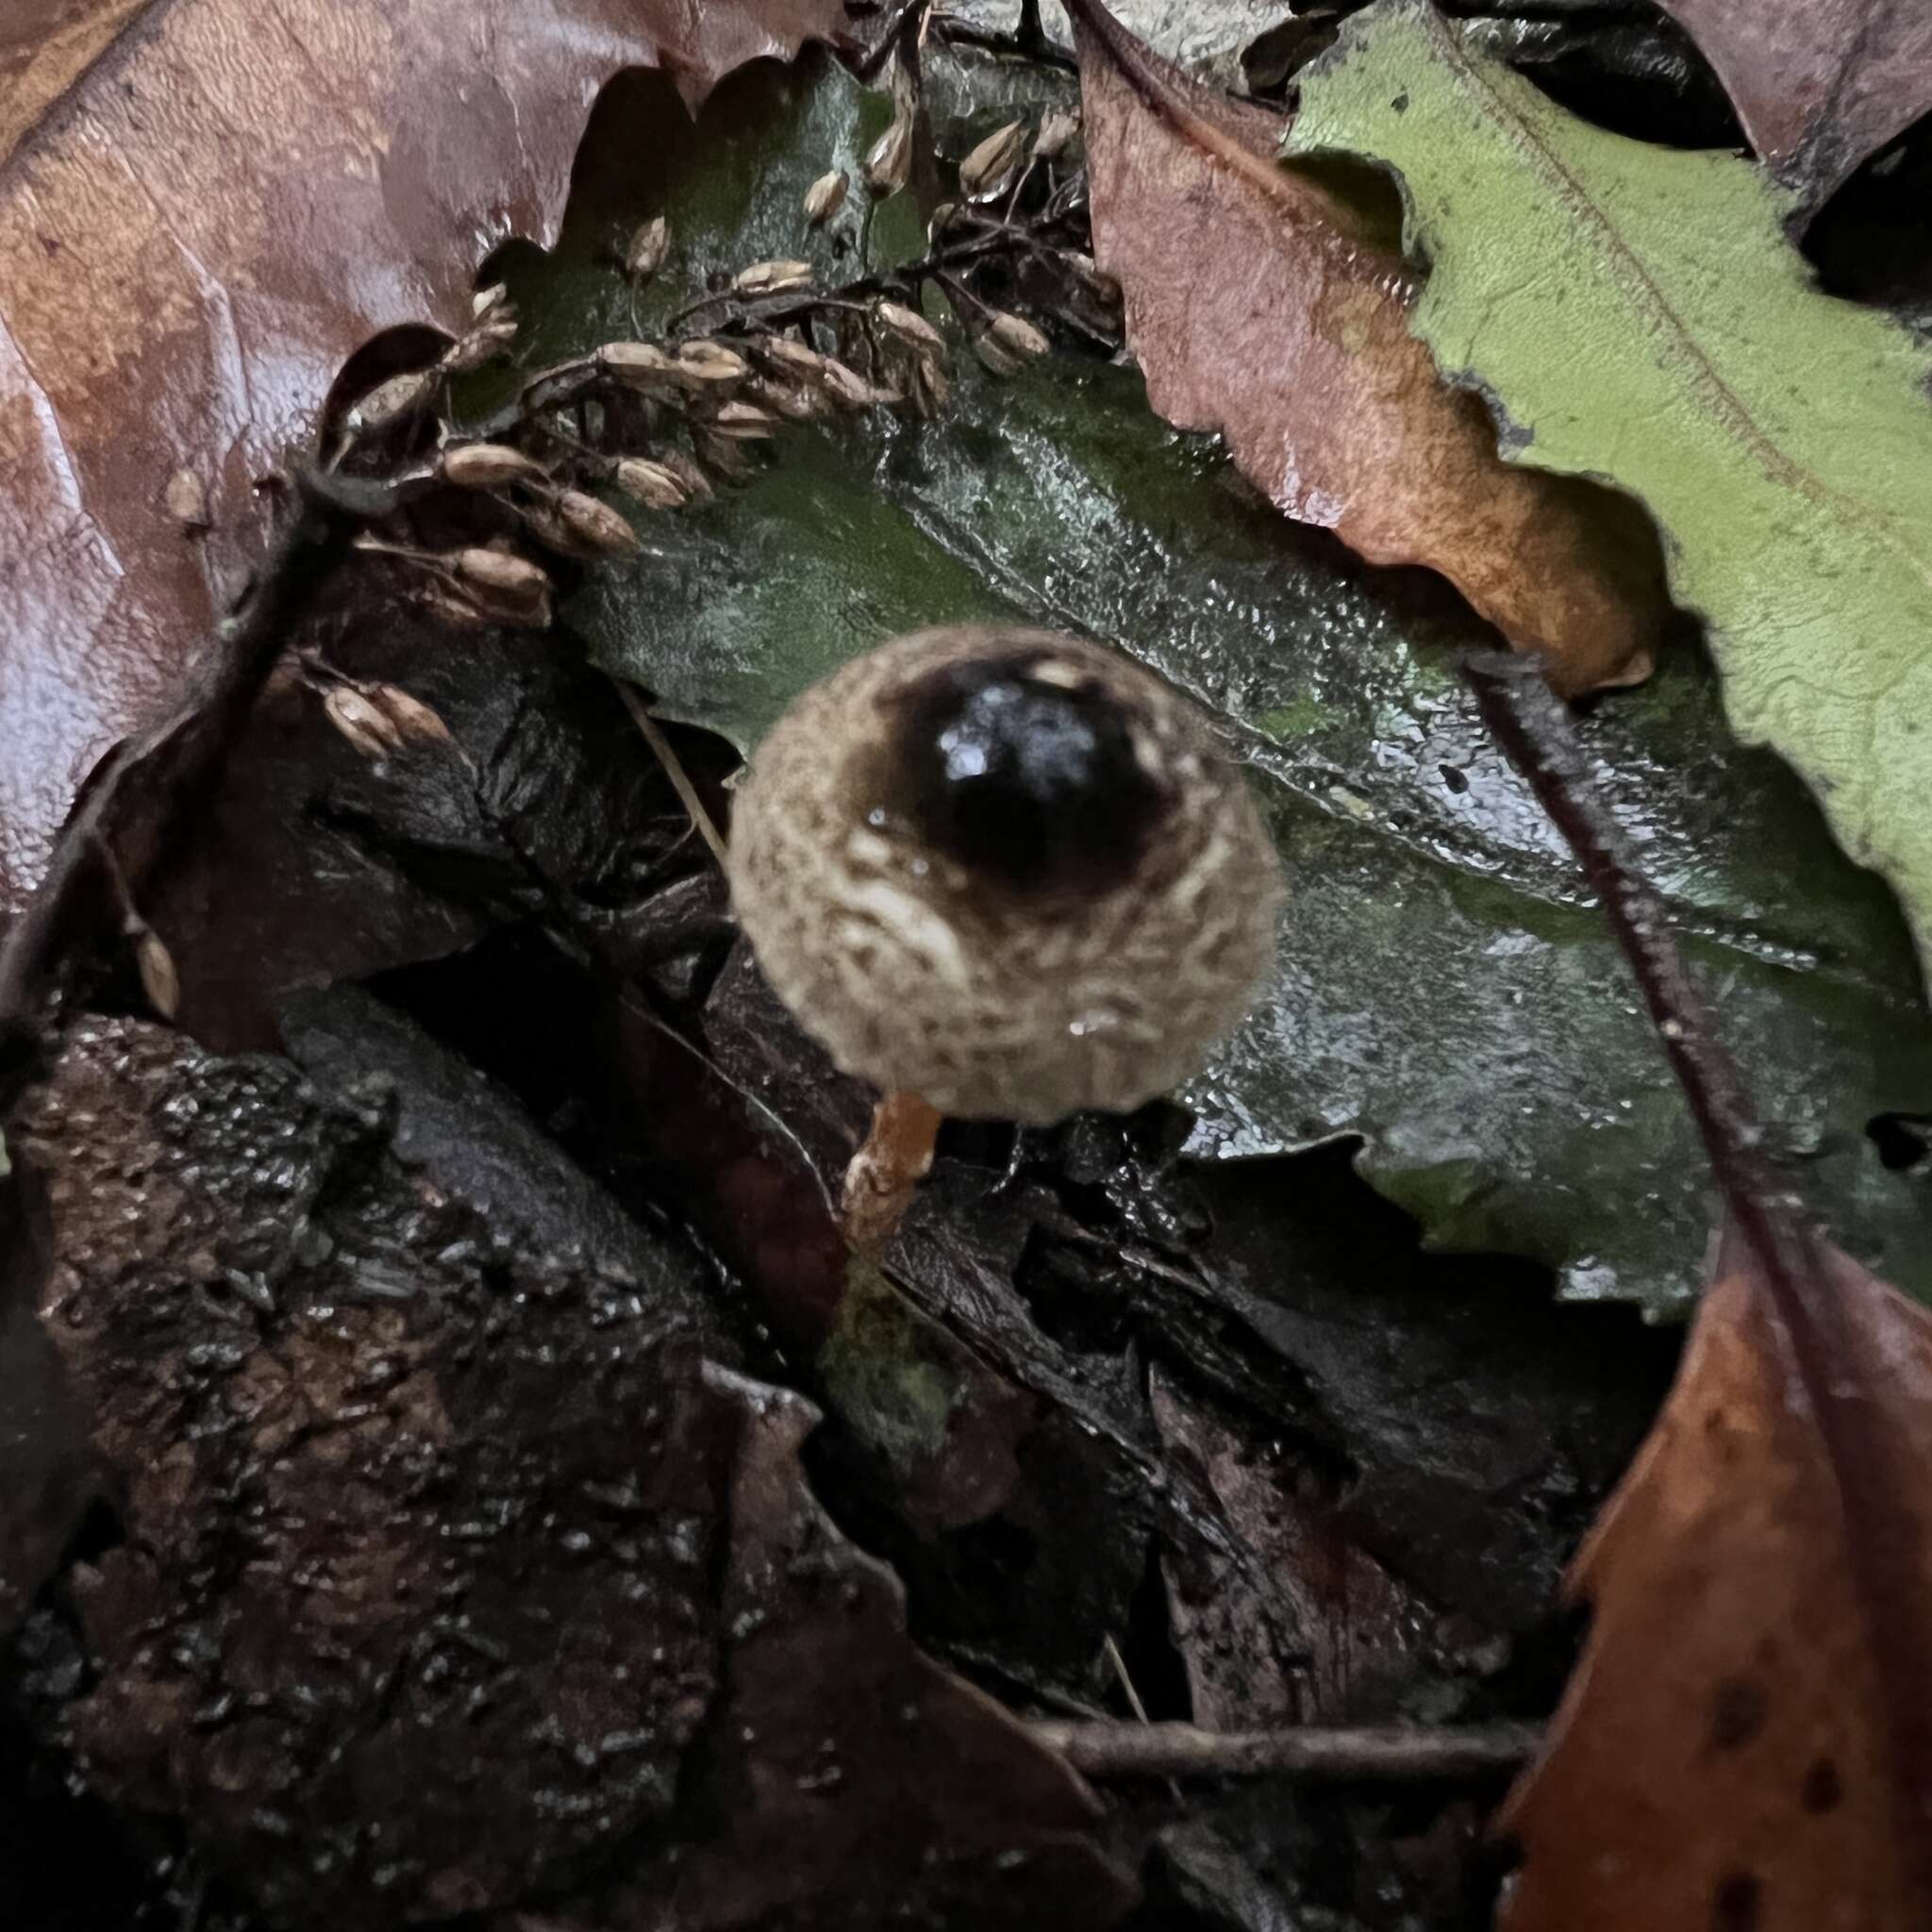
[1639, 316]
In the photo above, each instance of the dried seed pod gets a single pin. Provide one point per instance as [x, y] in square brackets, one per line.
[989, 167]
[889, 160]
[500, 574]
[772, 277]
[471, 606]
[703, 363]
[826, 196]
[601, 530]
[1088, 272]
[789, 358]
[1010, 872]
[796, 402]
[457, 609]
[414, 722]
[937, 227]
[641, 366]
[394, 401]
[911, 329]
[722, 454]
[744, 423]
[690, 473]
[483, 344]
[486, 301]
[646, 251]
[851, 390]
[185, 499]
[1008, 342]
[488, 466]
[930, 388]
[366, 725]
[654, 485]
[160, 979]
[995, 357]
[1056, 135]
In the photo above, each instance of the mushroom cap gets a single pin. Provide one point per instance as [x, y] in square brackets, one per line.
[1009, 870]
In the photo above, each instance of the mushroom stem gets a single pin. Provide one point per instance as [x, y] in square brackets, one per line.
[895, 1155]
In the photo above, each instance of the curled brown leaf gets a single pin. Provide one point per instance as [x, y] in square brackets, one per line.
[1742, 1744]
[1262, 303]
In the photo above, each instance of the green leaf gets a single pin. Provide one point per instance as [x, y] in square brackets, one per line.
[1639, 316]
[1445, 990]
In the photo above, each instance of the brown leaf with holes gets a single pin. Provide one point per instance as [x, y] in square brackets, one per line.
[204, 207]
[1818, 87]
[1264, 304]
[1744, 1745]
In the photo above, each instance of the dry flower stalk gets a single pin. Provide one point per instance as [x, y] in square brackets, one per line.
[484, 342]
[690, 473]
[887, 163]
[647, 250]
[744, 423]
[653, 484]
[911, 329]
[414, 722]
[1056, 133]
[772, 277]
[826, 196]
[160, 979]
[394, 401]
[364, 724]
[706, 364]
[488, 466]
[501, 575]
[601, 530]
[1008, 343]
[989, 169]
[641, 366]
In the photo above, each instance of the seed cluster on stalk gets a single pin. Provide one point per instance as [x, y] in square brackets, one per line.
[651, 424]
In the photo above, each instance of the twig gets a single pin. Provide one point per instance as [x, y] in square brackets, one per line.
[673, 769]
[1335, 1753]
[1887, 1571]
[1026, 41]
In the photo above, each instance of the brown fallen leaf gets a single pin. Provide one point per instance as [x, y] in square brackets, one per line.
[1818, 87]
[1729, 1756]
[458, 1574]
[1747, 1744]
[1297, 1637]
[204, 209]
[1265, 305]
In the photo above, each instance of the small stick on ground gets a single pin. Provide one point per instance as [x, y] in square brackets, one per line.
[1335, 1753]
[673, 769]
[883, 1175]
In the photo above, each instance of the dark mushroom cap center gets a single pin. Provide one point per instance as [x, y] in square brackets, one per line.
[1033, 780]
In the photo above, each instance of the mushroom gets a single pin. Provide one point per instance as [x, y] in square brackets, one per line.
[1001, 874]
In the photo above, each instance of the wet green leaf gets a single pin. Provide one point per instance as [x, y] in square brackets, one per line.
[1445, 990]
[1639, 315]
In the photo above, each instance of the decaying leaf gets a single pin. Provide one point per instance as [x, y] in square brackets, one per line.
[1264, 305]
[1640, 314]
[201, 215]
[1297, 1636]
[454, 1564]
[1743, 1747]
[1818, 87]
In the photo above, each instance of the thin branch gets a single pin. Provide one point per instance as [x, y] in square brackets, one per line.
[673, 769]
[1331, 1753]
